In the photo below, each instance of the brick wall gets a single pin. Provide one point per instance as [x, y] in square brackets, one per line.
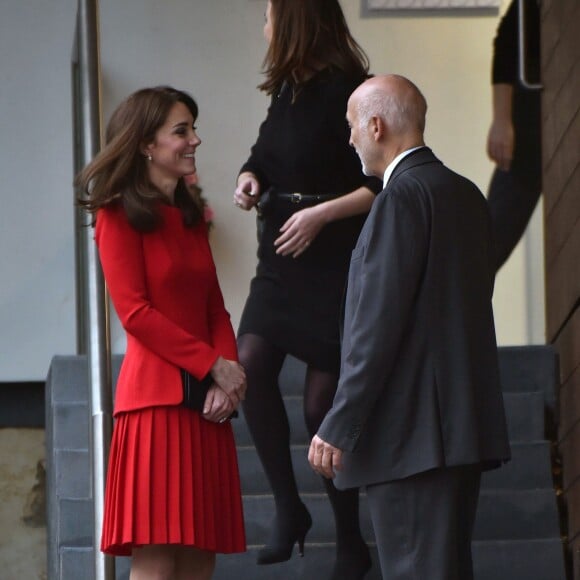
[561, 174]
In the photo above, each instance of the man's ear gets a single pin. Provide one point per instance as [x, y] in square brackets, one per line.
[377, 128]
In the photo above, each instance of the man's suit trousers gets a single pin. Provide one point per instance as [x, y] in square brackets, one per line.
[424, 524]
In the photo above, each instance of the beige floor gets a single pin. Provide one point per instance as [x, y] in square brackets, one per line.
[22, 505]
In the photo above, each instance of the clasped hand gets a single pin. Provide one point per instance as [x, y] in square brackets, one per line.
[228, 389]
[230, 376]
[217, 406]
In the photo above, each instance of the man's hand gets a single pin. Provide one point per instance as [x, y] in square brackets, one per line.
[324, 458]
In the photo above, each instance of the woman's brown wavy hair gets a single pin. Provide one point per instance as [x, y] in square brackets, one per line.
[118, 174]
[309, 36]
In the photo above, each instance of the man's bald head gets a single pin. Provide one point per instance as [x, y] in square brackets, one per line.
[396, 100]
[386, 115]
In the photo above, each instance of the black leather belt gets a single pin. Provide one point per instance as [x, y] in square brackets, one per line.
[304, 197]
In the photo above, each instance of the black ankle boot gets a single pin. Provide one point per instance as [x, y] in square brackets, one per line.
[352, 564]
[286, 531]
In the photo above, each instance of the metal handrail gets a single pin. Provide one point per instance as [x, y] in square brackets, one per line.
[92, 304]
[522, 50]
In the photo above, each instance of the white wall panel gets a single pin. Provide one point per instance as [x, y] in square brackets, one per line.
[213, 49]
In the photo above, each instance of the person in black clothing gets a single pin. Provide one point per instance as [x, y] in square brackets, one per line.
[514, 140]
[312, 200]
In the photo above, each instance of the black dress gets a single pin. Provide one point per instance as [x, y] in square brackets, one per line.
[303, 147]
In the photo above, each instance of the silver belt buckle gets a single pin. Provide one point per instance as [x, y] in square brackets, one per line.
[296, 197]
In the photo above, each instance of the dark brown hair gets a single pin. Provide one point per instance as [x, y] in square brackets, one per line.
[308, 36]
[118, 174]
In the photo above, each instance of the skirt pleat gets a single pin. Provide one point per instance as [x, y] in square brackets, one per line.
[172, 479]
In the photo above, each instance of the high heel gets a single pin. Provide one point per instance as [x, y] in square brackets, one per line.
[285, 533]
[352, 564]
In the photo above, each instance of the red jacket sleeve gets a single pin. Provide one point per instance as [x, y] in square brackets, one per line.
[222, 333]
[121, 253]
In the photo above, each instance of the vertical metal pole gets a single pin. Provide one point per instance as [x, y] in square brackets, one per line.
[522, 49]
[96, 303]
[79, 161]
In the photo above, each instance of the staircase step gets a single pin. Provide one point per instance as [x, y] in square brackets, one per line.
[67, 461]
[530, 368]
[492, 560]
[259, 511]
[75, 562]
[122, 568]
[501, 515]
[525, 415]
[519, 560]
[525, 418]
[71, 426]
[505, 560]
[254, 480]
[317, 562]
[522, 368]
[76, 523]
[528, 469]
[522, 515]
[516, 532]
[291, 377]
[298, 433]
[67, 379]
[524, 412]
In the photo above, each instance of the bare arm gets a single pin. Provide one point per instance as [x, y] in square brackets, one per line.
[500, 140]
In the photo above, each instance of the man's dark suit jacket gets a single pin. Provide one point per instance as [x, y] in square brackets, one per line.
[419, 384]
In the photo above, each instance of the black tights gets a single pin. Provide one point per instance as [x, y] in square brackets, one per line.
[268, 422]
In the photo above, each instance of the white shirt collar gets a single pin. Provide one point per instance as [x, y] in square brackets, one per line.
[391, 166]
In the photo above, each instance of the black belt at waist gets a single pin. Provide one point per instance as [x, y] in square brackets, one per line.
[305, 197]
[273, 198]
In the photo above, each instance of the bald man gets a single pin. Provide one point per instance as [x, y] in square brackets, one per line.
[418, 414]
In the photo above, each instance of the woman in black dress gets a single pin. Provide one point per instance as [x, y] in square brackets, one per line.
[514, 140]
[312, 198]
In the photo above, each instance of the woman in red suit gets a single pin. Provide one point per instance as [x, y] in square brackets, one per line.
[173, 492]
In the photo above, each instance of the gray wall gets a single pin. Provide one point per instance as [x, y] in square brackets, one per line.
[36, 238]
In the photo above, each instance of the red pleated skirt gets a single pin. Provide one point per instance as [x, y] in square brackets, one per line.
[172, 479]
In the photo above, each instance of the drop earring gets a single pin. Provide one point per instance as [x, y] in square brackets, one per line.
[149, 158]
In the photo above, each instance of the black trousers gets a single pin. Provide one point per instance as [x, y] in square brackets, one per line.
[511, 200]
[424, 524]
